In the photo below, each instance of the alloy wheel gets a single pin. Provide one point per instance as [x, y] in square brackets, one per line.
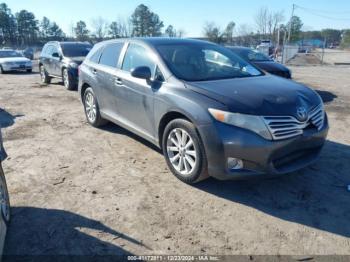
[42, 74]
[90, 107]
[66, 78]
[181, 151]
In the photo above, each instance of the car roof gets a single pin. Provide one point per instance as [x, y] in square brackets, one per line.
[68, 43]
[154, 41]
[74, 43]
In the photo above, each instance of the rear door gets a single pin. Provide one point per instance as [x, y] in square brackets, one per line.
[105, 74]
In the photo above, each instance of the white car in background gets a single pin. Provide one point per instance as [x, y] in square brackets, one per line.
[11, 60]
[4, 201]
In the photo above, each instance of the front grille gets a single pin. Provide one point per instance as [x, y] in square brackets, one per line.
[282, 127]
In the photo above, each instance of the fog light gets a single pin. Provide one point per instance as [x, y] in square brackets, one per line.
[234, 163]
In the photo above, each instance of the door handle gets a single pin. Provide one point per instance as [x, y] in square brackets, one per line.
[118, 81]
[94, 71]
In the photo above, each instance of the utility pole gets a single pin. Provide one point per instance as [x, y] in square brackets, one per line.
[290, 23]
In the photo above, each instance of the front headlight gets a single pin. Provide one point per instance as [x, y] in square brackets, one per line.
[73, 65]
[250, 122]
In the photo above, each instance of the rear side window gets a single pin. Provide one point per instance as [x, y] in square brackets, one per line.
[43, 52]
[96, 56]
[136, 56]
[110, 54]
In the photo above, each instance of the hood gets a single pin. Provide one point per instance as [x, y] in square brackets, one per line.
[14, 59]
[264, 95]
[270, 66]
[78, 59]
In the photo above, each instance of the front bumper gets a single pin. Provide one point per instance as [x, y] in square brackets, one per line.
[14, 67]
[260, 156]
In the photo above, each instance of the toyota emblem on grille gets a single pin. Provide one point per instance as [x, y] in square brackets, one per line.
[302, 114]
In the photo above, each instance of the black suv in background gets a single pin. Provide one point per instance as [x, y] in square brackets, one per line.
[262, 61]
[61, 60]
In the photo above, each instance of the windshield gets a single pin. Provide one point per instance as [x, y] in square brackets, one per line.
[204, 61]
[10, 53]
[75, 50]
[256, 56]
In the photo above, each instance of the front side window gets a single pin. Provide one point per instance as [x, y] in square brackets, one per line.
[204, 62]
[110, 54]
[136, 56]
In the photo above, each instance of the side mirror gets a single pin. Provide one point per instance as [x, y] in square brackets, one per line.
[143, 72]
[56, 55]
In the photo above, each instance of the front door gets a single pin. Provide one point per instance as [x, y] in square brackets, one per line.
[136, 95]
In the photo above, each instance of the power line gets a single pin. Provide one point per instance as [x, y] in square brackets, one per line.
[310, 11]
[322, 11]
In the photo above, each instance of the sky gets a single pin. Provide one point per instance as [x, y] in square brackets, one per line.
[188, 15]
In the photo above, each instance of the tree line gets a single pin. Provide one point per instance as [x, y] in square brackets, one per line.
[24, 29]
[273, 26]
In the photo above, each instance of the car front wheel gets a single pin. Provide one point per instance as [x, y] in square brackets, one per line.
[68, 80]
[184, 151]
[92, 110]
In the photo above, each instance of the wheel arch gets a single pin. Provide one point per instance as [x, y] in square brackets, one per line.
[166, 119]
[83, 88]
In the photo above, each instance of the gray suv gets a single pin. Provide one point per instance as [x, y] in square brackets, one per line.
[61, 60]
[211, 112]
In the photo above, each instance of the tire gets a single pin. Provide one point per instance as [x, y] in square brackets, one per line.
[29, 70]
[68, 80]
[192, 171]
[45, 79]
[4, 199]
[91, 108]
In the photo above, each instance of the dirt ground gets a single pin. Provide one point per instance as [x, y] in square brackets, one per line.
[79, 190]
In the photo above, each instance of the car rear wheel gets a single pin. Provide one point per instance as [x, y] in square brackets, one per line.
[68, 80]
[44, 75]
[4, 198]
[184, 151]
[92, 111]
